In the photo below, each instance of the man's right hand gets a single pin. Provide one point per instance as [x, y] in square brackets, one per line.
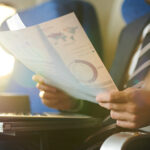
[54, 97]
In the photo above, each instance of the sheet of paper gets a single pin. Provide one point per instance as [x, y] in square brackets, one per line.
[61, 52]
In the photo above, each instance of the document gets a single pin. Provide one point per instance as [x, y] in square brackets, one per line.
[60, 51]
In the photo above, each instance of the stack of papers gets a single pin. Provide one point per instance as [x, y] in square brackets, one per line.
[60, 51]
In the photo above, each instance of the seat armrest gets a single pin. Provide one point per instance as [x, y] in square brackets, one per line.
[127, 141]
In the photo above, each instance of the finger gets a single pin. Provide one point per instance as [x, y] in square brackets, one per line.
[55, 104]
[114, 106]
[127, 124]
[38, 78]
[46, 95]
[123, 116]
[50, 103]
[45, 87]
[114, 96]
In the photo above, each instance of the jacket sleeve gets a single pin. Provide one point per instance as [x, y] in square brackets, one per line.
[92, 109]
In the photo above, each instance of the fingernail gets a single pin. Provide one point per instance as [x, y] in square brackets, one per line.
[41, 94]
[38, 78]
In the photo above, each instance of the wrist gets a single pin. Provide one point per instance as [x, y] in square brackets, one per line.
[76, 105]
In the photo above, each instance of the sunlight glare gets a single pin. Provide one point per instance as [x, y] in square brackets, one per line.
[6, 60]
[6, 63]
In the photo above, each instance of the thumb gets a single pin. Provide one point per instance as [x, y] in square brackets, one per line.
[38, 78]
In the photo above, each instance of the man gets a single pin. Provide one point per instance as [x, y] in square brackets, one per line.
[44, 12]
[129, 107]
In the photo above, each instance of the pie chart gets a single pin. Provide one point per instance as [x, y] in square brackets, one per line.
[84, 71]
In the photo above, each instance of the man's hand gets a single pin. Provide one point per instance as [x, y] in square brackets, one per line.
[131, 107]
[53, 97]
